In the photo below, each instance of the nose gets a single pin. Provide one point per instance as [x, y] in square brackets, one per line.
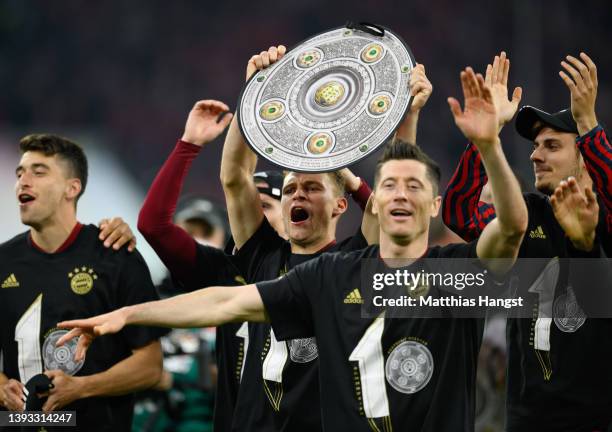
[299, 194]
[536, 155]
[400, 193]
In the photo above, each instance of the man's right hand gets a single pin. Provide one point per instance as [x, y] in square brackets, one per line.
[12, 395]
[205, 123]
[496, 77]
[264, 59]
[88, 329]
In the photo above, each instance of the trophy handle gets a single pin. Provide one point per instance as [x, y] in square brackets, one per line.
[373, 29]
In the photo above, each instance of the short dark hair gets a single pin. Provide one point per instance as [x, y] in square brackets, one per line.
[397, 149]
[66, 150]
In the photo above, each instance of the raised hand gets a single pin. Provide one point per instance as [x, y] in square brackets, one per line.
[580, 77]
[420, 88]
[206, 122]
[479, 119]
[264, 59]
[576, 212]
[88, 329]
[496, 78]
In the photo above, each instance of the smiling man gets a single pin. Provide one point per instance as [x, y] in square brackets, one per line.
[60, 269]
[361, 390]
[546, 391]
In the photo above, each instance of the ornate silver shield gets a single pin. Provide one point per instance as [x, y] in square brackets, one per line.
[331, 101]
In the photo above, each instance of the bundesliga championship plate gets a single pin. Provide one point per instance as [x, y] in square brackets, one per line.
[61, 357]
[330, 101]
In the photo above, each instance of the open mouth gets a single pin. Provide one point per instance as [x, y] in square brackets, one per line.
[401, 213]
[299, 214]
[25, 198]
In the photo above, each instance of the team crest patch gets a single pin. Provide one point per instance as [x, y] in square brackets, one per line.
[82, 280]
[569, 316]
[303, 350]
[409, 367]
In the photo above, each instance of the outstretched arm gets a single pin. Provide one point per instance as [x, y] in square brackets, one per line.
[207, 307]
[238, 166]
[462, 210]
[479, 123]
[175, 247]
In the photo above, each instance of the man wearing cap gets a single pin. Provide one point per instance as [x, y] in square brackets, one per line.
[558, 375]
[269, 184]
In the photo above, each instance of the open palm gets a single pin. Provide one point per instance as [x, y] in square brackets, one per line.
[576, 212]
[479, 119]
[204, 123]
[496, 77]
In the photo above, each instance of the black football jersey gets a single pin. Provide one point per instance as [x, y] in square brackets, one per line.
[280, 389]
[216, 268]
[559, 378]
[378, 374]
[86, 279]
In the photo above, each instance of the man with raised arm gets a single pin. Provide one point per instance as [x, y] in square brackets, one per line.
[362, 389]
[546, 392]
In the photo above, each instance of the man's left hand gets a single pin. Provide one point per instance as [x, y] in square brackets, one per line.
[66, 389]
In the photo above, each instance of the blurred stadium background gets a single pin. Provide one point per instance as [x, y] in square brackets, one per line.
[120, 77]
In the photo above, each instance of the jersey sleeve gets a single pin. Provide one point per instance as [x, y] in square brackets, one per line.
[175, 247]
[134, 285]
[290, 299]
[251, 255]
[597, 154]
[462, 211]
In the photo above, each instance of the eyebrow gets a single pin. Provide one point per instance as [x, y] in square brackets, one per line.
[34, 166]
[409, 179]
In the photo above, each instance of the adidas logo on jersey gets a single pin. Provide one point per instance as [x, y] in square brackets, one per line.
[354, 297]
[537, 233]
[10, 282]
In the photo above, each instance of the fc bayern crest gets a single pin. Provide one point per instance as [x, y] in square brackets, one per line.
[330, 101]
[61, 357]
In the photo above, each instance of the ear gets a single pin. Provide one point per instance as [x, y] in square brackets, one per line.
[374, 203]
[435, 206]
[73, 189]
[340, 207]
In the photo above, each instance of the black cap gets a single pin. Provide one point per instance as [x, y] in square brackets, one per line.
[528, 116]
[201, 209]
[274, 179]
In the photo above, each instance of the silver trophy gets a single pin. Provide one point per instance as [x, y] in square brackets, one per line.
[330, 101]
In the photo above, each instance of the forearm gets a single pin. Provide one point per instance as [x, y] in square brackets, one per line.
[461, 210]
[238, 161]
[139, 371]
[175, 247]
[597, 154]
[407, 131]
[505, 189]
[207, 307]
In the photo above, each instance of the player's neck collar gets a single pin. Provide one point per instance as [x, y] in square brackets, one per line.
[67, 243]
